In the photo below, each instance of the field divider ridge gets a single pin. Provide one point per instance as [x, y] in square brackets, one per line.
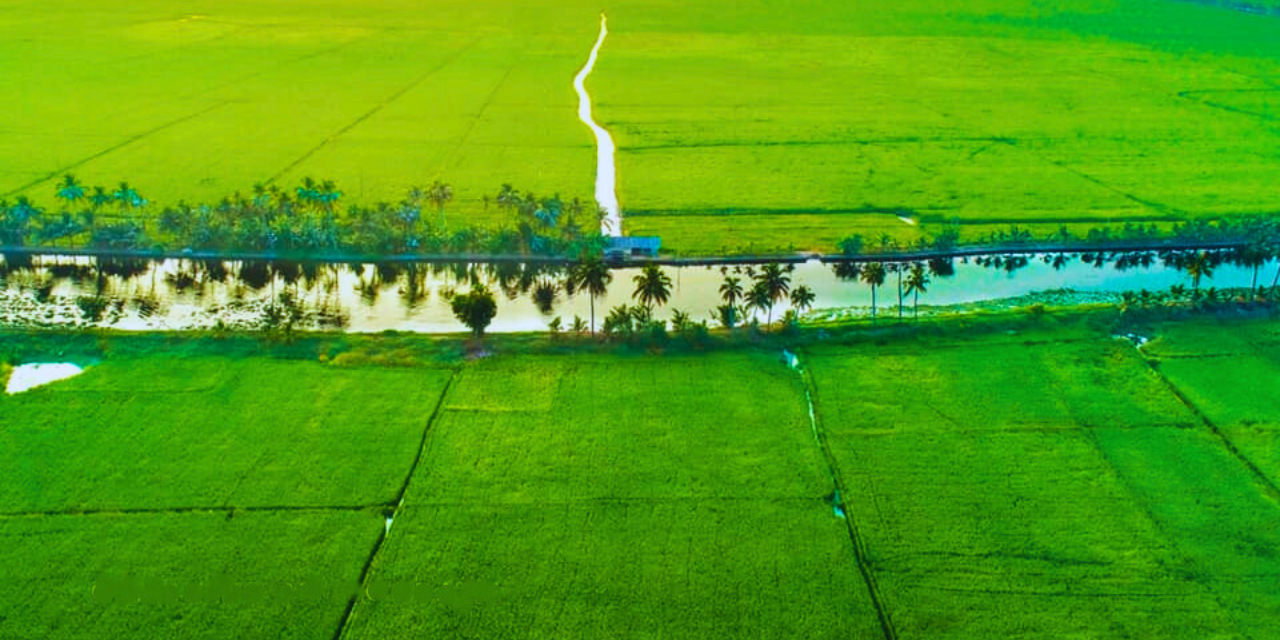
[116, 147]
[851, 525]
[1267, 483]
[376, 108]
[394, 506]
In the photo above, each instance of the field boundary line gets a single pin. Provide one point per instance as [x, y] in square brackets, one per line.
[851, 525]
[456, 151]
[116, 147]
[1268, 485]
[1148, 204]
[394, 507]
[376, 108]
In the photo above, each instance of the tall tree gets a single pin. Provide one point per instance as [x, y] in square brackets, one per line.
[802, 298]
[731, 290]
[758, 298]
[475, 309]
[439, 193]
[1199, 266]
[874, 275]
[70, 190]
[777, 283]
[653, 286]
[593, 276]
[917, 282]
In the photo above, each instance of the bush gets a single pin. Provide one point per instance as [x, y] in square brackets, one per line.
[475, 309]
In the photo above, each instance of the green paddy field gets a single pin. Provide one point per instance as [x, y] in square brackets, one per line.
[1021, 477]
[742, 126]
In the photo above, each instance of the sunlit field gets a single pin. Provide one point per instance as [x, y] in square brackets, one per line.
[994, 113]
[194, 101]
[742, 127]
[1043, 480]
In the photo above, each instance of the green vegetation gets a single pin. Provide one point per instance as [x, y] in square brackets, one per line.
[999, 475]
[758, 127]
[181, 575]
[741, 127]
[162, 433]
[1046, 484]
[625, 497]
[194, 105]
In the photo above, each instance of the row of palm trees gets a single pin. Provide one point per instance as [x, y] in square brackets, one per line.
[308, 218]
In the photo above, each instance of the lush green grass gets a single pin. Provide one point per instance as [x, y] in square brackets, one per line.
[196, 102]
[195, 575]
[211, 432]
[1045, 489]
[635, 497]
[991, 112]
[1004, 478]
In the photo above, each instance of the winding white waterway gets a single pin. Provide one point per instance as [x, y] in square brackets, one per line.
[606, 175]
[29, 376]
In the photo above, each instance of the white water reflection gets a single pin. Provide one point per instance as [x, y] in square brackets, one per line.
[606, 182]
[178, 294]
[30, 376]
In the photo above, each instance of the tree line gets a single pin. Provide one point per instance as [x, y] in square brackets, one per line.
[308, 219]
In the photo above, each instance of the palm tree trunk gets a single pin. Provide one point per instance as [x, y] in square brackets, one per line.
[1253, 288]
[1276, 281]
[873, 302]
[592, 298]
[915, 302]
[899, 292]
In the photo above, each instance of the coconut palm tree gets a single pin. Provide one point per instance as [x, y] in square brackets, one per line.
[874, 275]
[593, 276]
[757, 297]
[127, 197]
[916, 285]
[652, 286]
[440, 193]
[70, 190]
[777, 283]
[802, 298]
[898, 268]
[1199, 266]
[1253, 255]
[731, 290]
[507, 197]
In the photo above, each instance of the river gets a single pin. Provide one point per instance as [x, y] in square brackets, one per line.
[180, 294]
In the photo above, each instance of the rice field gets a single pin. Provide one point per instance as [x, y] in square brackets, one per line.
[1048, 480]
[743, 127]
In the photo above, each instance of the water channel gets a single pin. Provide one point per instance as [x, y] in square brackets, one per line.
[185, 294]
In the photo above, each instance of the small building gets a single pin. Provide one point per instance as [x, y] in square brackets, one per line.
[620, 247]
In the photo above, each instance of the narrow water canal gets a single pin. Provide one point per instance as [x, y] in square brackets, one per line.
[179, 294]
[606, 177]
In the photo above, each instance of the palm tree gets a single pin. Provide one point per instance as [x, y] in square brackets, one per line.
[1198, 267]
[758, 298]
[593, 276]
[802, 298]
[898, 268]
[916, 283]
[127, 196]
[70, 190]
[439, 193]
[731, 290]
[507, 197]
[652, 286]
[873, 274]
[776, 283]
[1254, 255]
